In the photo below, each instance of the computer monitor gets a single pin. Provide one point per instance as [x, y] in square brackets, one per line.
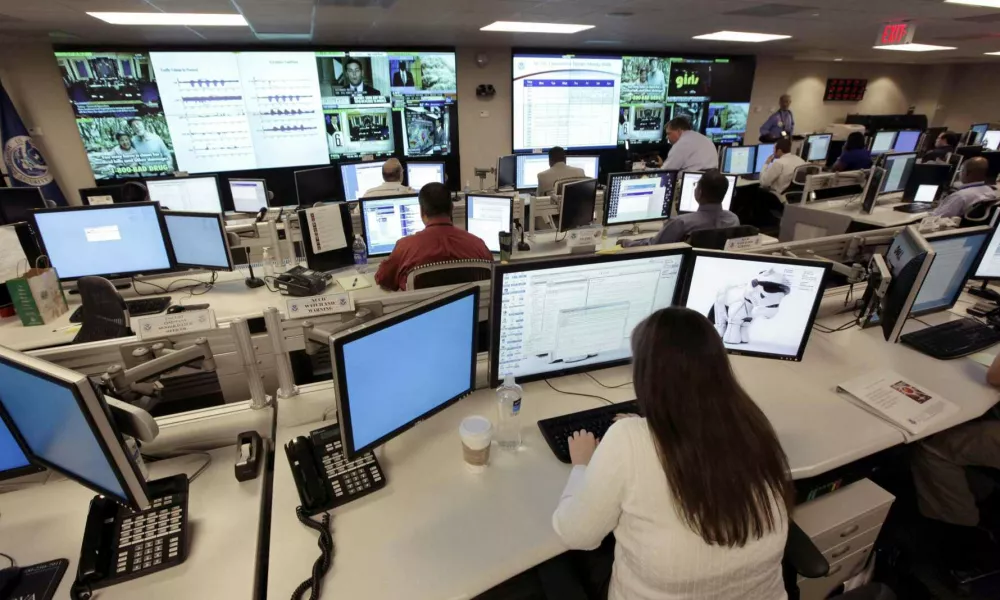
[249, 195]
[317, 185]
[638, 197]
[16, 204]
[883, 142]
[897, 172]
[419, 174]
[689, 181]
[358, 178]
[872, 190]
[927, 193]
[817, 146]
[589, 164]
[62, 423]
[556, 316]
[991, 139]
[389, 219]
[739, 160]
[909, 259]
[506, 171]
[936, 174]
[992, 166]
[193, 194]
[198, 240]
[764, 152]
[579, 201]
[117, 240]
[956, 252]
[907, 141]
[487, 215]
[977, 132]
[988, 267]
[528, 168]
[761, 306]
[432, 349]
[107, 194]
[13, 462]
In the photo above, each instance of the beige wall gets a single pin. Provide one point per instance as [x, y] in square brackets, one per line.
[484, 124]
[972, 95]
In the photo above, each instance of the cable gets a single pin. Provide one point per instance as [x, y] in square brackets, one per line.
[325, 560]
[921, 321]
[605, 400]
[13, 562]
[608, 387]
[202, 468]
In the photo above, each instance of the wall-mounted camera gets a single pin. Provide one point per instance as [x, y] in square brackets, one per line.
[485, 90]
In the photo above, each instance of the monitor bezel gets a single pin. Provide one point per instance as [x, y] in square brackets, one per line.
[807, 147]
[562, 221]
[797, 262]
[338, 343]
[727, 149]
[295, 176]
[916, 148]
[500, 160]
[871, 145]
[364, 222]
[477, 195]
[885, 159]
[679, 193]
[929, 255]
[947, 235]
[502, 269]
[973, 273]
[126, 205]
[96, 413]
[267, 198]
[354, 163]
[199, 215]
[418, 163]
[865, 208]
[637, 175]
[214, 178]
[25, 191]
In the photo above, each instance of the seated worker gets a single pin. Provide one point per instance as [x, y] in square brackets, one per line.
[698, 499]
[557, 171]
[974, 190]
[689, 150]
[944, 145]
[710, 191]
[780, 167]
[392, 176]
[439, 241]
[855, 156]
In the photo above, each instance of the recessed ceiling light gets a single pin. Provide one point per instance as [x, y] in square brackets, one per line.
[526, 27]
[161, 18]
[989, 3]
[838, 60]
[992, 53]
[741, 36]
[914, 47]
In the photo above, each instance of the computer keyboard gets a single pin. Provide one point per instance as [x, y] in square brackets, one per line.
[597, 421]
[915, 207]
[136, 308]
[954, 339]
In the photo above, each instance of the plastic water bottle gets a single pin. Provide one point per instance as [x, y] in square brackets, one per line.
[508, 433]
[360, 254]
[268, 261]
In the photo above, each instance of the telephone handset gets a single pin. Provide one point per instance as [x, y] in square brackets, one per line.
[324, 478]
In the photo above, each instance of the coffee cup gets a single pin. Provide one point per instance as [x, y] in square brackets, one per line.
[476, 433]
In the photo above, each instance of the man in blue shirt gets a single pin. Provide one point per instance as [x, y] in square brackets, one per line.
[974, 190]
[781, 124]
[710, 192]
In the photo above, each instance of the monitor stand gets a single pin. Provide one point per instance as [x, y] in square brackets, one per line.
[120, 284]
[985, 293]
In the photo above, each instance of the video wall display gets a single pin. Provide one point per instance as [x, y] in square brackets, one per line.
[148, 113]
[602, 101]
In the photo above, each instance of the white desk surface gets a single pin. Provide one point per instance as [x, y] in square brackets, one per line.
[883, 215]
[46, 522]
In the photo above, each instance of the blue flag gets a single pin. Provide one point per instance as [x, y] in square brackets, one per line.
[24, 161]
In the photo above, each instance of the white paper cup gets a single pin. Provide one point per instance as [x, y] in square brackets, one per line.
[476, 433]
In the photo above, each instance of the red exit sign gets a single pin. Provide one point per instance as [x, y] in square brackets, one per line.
[893, 34]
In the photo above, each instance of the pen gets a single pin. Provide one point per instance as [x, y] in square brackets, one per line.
[355, 284]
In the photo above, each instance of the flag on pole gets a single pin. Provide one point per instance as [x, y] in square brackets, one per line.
[24, 161]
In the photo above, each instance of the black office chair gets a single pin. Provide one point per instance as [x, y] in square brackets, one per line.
[802, 557]
[981, 213]
[105, 315]
[715, 239]
[452, 272]
[793, 195]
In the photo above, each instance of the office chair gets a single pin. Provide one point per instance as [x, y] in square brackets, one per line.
[558, 190]
[981, 213]
[793, 195]
[715, 239]
[50, 203]
[802, 557]
[105, 315]
[451, 272]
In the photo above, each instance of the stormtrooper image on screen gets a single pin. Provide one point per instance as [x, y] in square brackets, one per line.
[737, 306]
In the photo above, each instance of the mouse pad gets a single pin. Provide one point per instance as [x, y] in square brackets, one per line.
[39, 582]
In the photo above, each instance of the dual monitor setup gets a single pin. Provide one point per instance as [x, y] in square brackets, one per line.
[349, 181]
[981, 134]
[644, 196]
[520, 171]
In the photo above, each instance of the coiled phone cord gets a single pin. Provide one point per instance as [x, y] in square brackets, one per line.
[325, 560]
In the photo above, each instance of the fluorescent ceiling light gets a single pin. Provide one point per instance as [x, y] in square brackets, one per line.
[741, 36]
[992, 53]
[161, 18]
[526, 27]
[838, 60]
[989, 3]
[915, 47]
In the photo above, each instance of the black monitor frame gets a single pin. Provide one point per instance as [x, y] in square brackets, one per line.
[870, 196]
[25, 193]
[807, 147]
[198, 215]
[885, 160]
[638, 175]
[296, 175]
[213, 177]
[927, 174]
[267, 195]
[510, 225]
[753, 159]
[503, 161]
[949, 235]
[578, 212]
[364, 224]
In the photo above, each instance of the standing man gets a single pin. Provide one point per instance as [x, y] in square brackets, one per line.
[392, 177]
[781, 124]
[689, 150]
[780, 167]
[973, 191]
[557, 171]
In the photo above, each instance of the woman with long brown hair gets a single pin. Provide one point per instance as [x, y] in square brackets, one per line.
[696, 492]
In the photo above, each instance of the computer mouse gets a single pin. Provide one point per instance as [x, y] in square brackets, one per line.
[173, 310]
[9, 578]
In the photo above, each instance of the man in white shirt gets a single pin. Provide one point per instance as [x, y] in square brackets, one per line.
[558, 170]
[689, 150]
[392, 176]
[780, 167]
[973, 191]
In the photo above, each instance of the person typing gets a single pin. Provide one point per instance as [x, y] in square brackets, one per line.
[779, 170]
[710, 192]
[973, 191]
[392, 177]
[689, 150]
[557, 171]
[439, 241]
[696, 493]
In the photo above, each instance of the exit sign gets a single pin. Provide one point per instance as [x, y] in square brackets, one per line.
[894, 34]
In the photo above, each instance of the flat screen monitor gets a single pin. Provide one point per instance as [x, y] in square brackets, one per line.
[739, 160]
[991, 139]
[317, 185]
[907, 141]
[420, 174]
[764, 151]
[909, 259]
[989, 265]
[579, 201]
[528, 168]
[506, 171]
[13, 462]
[107, 194]
[689, 181]
[589, 164]
[955, 254]
[563, 315]
[432, 347]
[638, 197]
[761, 306]
[897, 172]
[977, 132]
[199, 240]
[118, 240]
[817, 147]
[486, 216]
[249, 195]
[358, 178]
[387, 220]
[62, 423]
[872, 190]
[936, 174]
[197, 194]
[16, 204]
[883, 142]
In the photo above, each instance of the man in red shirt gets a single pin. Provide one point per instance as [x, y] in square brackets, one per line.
[439, 241]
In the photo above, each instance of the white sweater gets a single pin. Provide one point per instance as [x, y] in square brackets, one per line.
[657, 556]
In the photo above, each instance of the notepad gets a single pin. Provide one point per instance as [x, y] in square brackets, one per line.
[354, 282]
[899, 400]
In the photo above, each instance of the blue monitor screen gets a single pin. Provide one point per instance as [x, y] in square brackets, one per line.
[197, 241]
[11, 456]
[906, 141]
[386, 221]
[738, 160]
[432, 356]
[764, 151]
[359, 178]
[104, 241]
[948, 272]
